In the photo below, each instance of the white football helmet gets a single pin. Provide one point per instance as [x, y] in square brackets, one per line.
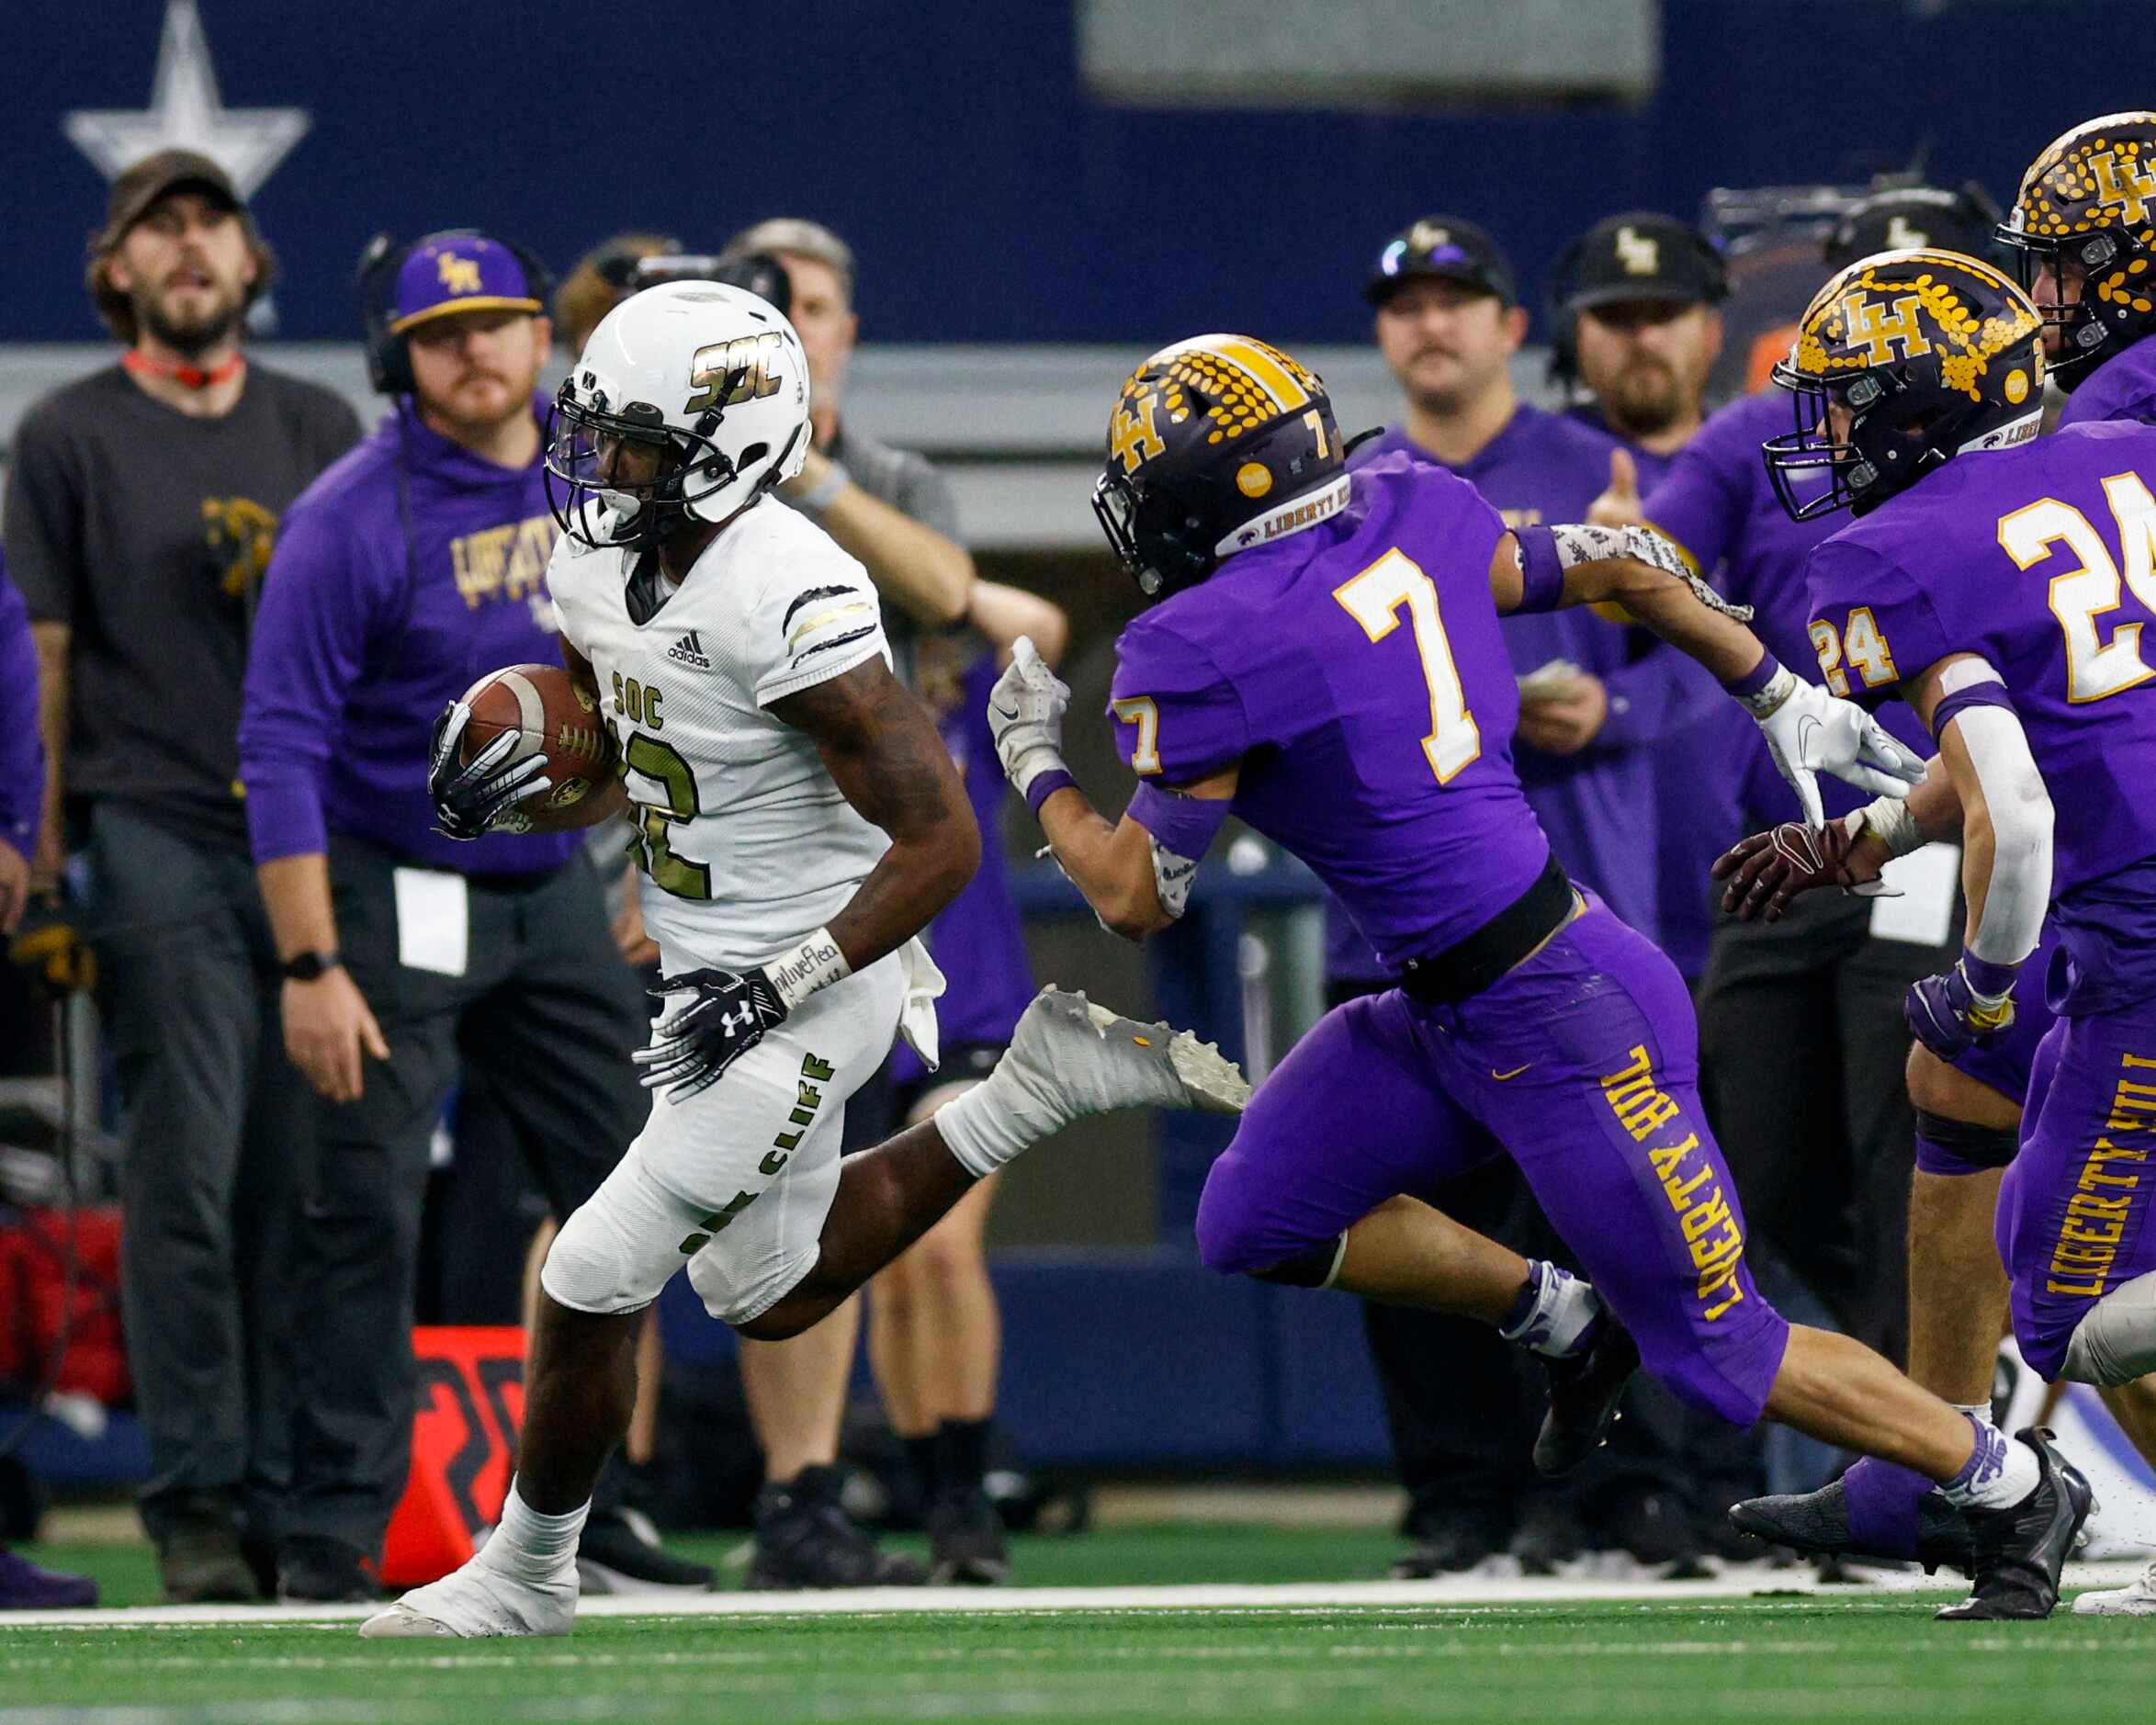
[712, 377]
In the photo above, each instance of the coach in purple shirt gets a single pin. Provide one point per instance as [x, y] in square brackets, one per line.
[407, 570]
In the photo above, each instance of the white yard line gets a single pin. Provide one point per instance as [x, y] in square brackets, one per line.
[1453, 1592]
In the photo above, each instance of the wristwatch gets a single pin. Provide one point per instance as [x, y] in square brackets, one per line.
[310, 966]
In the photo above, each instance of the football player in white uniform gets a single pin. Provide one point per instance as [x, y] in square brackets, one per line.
[798, 823]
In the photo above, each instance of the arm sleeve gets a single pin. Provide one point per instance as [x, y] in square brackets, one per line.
[320, 598]
[22, 752]
[2019, 891]
[43, 524]
[1177, 717]
[819, 623]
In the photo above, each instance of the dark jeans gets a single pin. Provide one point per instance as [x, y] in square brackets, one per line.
[1803, 1046]
[545, 1018]
[216, 1152]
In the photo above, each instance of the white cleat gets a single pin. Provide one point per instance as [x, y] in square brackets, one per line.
[1090, 1060]
[2137, 1601]
[478, 1600]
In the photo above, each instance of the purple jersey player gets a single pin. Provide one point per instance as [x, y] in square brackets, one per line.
[1325, 662]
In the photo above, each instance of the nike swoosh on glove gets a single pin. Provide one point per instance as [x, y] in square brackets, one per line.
[1025, 714]
[725, 1015]
[473, 799]
[1810, 731]
[1950, 1013]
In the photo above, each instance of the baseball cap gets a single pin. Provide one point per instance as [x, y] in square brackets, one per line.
[141, 184]
[460, 272]
[1915, 216]
[1642, 255]
[1448, 249]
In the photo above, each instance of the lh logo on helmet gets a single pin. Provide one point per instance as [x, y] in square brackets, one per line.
[1880, 325]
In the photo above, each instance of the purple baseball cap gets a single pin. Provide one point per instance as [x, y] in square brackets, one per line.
[460, 272]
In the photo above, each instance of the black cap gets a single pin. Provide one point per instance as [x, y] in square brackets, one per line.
[1445, 248]
[1642, 255]
[1915, 216]
[144, 182]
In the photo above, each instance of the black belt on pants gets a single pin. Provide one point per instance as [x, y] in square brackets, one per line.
[1469, 966]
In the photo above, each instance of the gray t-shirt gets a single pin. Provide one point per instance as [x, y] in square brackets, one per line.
[146, 532]
[910, 484]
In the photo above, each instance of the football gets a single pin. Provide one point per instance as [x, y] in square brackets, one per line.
[555, 718]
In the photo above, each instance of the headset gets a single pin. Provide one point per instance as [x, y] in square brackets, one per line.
[1565, 318]
[388, 355]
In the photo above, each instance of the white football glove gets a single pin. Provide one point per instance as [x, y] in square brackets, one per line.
[1025, 711]
[1810, 731]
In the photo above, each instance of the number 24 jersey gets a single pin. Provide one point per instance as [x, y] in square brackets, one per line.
[745, 841]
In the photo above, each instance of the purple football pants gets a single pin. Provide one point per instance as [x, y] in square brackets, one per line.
[1582, 1066]
[2073, 1209]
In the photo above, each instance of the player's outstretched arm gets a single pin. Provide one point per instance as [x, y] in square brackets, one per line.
[1136, 873]
[882, 750]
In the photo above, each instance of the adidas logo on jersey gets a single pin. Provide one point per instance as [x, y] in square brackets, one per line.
[689, 650]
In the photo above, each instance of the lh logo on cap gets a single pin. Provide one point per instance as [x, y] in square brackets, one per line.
[460, 275]
[1640, 254]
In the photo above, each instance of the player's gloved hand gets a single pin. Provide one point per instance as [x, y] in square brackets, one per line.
[472, 800]
[49, 946]
[1025, 713]
[724, 1015]
[1950, 1013]
[1767, 872]
[1810, 731]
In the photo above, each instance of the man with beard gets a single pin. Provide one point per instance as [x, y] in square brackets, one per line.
[141, 511]
[414, 565]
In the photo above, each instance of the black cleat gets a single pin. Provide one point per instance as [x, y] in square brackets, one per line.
[1584, 1393]
[617, 1555]
[1549, 1534]
[316, 1570]
[966, 1541]
[805, 1538]
[1818, 1522]
[2021, 1550]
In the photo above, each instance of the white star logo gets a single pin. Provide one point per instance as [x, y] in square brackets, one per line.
[185, 113]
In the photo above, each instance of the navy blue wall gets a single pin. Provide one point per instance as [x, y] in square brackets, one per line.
[991, 200]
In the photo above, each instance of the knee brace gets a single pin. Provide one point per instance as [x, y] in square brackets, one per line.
[1945, 1145]
[1314, 1267]
[738, 1288]
[2116, 1342]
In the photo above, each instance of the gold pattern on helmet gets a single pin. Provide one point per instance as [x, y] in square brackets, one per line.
[1243, 383]
[2101, 175]
[1899, 304]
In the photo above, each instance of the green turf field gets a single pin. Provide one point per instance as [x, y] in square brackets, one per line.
[1859, 1656]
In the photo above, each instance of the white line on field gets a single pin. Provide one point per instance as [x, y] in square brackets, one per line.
[1797, 1587]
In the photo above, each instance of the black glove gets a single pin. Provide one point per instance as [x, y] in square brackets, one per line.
[472, 800]
[50, 947]
[725, 1016]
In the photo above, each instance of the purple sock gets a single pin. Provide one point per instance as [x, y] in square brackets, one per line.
[1883, 1501]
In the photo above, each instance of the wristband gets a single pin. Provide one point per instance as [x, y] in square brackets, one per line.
[1182, 826]
[1888, 818]
[1753, 688]
[816, 963]
[1541, 571]
[825, 491]
[1988, 981]
[1045, 784]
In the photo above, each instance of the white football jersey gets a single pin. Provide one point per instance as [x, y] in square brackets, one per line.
[745, 843]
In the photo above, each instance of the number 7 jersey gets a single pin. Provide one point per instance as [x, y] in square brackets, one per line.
[745, 843]
[1356, 672]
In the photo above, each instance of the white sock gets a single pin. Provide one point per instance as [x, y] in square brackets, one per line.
[533, 1547]
[1555, 1311]
[991, 1123]
[2000, 1473]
